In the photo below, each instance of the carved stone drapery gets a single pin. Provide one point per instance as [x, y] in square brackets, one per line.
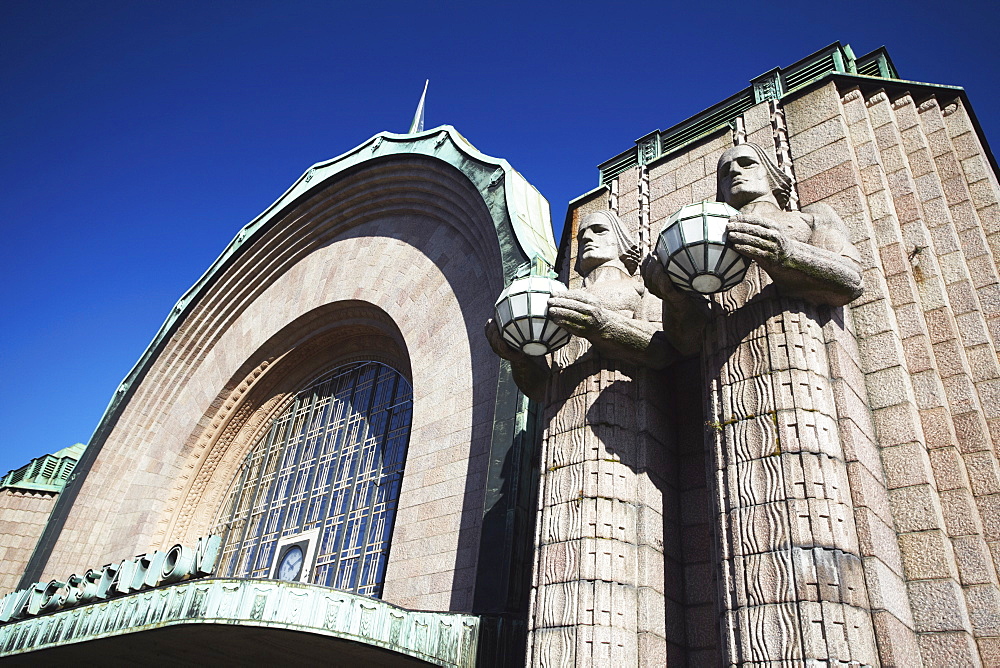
[791, 584]
[598, 586]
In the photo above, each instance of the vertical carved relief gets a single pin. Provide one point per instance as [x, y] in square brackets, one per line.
[783, 151]
[644, 242]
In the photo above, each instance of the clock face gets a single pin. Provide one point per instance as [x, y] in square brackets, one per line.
[290, 567]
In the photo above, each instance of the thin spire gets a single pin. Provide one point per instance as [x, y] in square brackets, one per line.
[418, 118]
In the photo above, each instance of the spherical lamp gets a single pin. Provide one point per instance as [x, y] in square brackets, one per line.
[694, 250]
[521, 311]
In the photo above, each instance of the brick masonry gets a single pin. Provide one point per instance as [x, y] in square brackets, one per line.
[23, 515]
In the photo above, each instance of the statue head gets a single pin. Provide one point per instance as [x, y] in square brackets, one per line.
[602, 238]
[746, 174]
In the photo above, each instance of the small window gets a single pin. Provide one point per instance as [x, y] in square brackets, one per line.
[327, 470]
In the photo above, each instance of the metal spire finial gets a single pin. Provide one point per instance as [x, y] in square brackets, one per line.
[418, 118]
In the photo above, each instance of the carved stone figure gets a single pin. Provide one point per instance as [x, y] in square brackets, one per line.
[806, 254]
[602, 462]
[789, 568]
[613, 310]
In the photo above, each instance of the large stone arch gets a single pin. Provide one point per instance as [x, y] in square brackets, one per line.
[397, 253]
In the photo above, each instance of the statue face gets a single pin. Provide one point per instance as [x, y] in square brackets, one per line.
[742, 178]
[597, 241]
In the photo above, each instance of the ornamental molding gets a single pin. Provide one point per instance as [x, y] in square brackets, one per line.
[442, 639]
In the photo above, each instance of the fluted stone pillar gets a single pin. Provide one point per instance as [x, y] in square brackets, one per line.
[791, 582]
[598, 583]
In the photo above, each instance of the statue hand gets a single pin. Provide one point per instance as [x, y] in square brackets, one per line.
[658, 281]
[578, 312]
[759, 239]
[501, 347]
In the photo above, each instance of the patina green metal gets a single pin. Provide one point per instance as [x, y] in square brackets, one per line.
[442, 639]
[47, 473]
[836, 59]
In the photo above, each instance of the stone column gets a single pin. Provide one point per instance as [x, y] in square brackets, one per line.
[791, 583]
[598, 584]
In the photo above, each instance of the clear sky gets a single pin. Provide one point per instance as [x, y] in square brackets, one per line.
[137, 138]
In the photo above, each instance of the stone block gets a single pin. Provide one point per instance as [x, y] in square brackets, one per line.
[989, 396]
[948, 649]
[800, 430]
[905, 465]
[749, 439]
[937, 605]
[824, 184]
[877, 539]
[804, 389]
[928, 391]
[983, 471]
[858, 442]
[653, 649]
[817, 136]
[770, 633]
[910, 321]
[973, 559]
[812, 109]
[860, 635]
[989, 650]
[927, 555]
[887, 387]
[897, 424]
[947, 466]
[919, 354]
[554, 646]
[832, 155]
[989, 513]
[961, 394]
[971, 431]
[873, 318]
[743, 399]
[938, 432]
[766, 578]
[914, 508]
[701, 627]
[887, 590]
[699, 583]
[897, 643]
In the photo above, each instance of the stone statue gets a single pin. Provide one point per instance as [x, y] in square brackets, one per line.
[807, 254]
[796, 587]
[602, 410]
[613, 311]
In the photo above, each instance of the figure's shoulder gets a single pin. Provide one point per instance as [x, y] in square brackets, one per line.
[829, 230]
[821, 212]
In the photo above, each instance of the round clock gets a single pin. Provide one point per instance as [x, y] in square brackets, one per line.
[290, 567]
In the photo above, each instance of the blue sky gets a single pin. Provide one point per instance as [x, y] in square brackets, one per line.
[138, 137]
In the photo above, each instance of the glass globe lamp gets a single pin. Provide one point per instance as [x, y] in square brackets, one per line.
[521, 311]
[694, 250]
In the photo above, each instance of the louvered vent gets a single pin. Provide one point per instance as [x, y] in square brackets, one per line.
[704, 124]
[800, 77]
[615, 166]
[871, 68]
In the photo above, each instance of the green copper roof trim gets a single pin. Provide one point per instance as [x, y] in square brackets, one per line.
[47, 473]
[497, 181]
[440, 638]
[776, 84]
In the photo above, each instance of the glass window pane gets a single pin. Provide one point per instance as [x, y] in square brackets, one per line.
[332, 459]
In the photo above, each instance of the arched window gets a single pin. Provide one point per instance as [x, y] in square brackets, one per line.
[316, 496]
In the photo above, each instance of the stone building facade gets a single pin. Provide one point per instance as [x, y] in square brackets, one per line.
[813, 484]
